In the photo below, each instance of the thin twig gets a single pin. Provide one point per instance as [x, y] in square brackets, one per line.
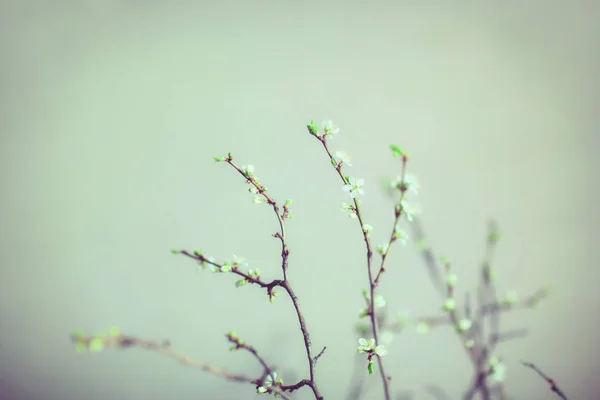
[373, 286]
[316, 358]
[553, 386]
[285, 251]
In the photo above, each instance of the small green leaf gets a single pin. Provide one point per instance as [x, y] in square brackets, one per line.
[313, 128]
[449, 304]
[334, 162]
[96, 344]
[371, 368]
[464, 325]
[81, 347]
[241, 283]
[494, 237]
[114, 331]
[396, 151]
[78, 335]
[175, 251]
[219, 159]
[451, 280]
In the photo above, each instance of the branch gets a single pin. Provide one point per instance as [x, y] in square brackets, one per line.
[253, 276]
[95, 343]
[553, 386]
[354, 187]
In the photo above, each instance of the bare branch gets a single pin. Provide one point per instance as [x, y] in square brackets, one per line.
[553, 386]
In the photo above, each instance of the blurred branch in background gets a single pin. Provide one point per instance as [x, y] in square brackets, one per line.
[114, 339]
[553, 386]
[470, 326]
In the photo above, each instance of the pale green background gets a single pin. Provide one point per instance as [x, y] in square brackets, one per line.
[111, 113]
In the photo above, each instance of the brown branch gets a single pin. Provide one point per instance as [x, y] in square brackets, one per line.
[260, 190]
[125, 342]
[373, 285]
[285, 251]
[240, 344]
[316, 358]
[553, 386]
[397, 214]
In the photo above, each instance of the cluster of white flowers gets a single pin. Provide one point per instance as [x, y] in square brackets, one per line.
[368, 346]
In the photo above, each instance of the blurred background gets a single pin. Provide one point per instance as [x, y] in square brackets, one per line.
[112, 111]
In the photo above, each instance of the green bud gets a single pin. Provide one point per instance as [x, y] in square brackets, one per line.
[371, 368]
[450, 304]
[423, 327]
[494, 236]
[313, 128]
[396, 151]
[78, 335]
[81, 347]
[451, 280]
[96, 344]
[464, 325]
[241, 283]
[272, 297]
